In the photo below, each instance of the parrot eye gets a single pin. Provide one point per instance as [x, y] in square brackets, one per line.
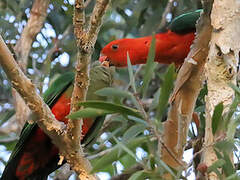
[114, 46]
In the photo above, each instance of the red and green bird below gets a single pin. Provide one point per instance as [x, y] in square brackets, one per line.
[172, 46]
[34, 156]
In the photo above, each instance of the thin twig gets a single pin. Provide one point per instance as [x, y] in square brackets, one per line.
[186, 90]
[87, 3]
[28, 91]
[86, 37]
[156, 132]
[102, 153]
[22, 49]
[169, 9]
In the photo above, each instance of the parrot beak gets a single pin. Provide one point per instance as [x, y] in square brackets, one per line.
[105, 61]
[102, 58]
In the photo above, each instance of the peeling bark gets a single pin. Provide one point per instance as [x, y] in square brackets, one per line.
[187, 87]
[68, 141]
[169, 9]
[221, 67]
[35, 22]
[86, 37]
[54, 129]
[28, 91]
[22, 49]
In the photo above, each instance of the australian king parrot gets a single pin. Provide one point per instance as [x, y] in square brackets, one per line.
[172, 45]
[34, 156]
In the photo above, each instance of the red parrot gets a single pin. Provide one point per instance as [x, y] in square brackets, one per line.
[172, 46]
[34, 156]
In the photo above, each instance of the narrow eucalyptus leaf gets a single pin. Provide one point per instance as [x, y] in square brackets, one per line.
[125, 148]
[137, 175]
[131, 76]
[150, 66]
[114, 108]
[166, 90]
[217, 116]
[88, 113]
[133, 131]
[114, 156]
[219, 163]
[113, 92]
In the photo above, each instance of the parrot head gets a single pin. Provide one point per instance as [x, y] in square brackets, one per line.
[115, 53]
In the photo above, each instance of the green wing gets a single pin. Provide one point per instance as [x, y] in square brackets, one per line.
[57, 88]
[185, 22]
[100, 77]
[50, 96]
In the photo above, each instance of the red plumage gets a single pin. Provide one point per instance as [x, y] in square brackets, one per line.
[170, 48]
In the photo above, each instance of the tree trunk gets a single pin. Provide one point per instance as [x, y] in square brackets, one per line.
[221, 67]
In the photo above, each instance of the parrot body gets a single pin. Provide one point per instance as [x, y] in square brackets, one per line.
[172, 46]
[34, 156]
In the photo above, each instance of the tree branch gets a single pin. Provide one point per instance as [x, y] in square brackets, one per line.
[187, 87]
[68, 143]
[86, 37]
[126, 174]
[22, 49]
[28, 91]
[169, 9]
[35, 22]
[221, 68]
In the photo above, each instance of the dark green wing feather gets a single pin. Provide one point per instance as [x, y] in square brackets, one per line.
[185, 22]
[57, 88]
[50, 97]
[100, 77]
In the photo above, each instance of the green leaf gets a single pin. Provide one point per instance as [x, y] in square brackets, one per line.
[227, 167]
[225, 145]
[88, 113]
[131, 76]
[110, 92]
[217, 117]
[235, 88]
[233, 177]
[166, 90]
[167, 168]
[137, 175]
[138, 120]
[5, 116]
[154, 104]
[232, 126]
[200, 108]
[218, 164]
[232, 109]
[150, 66]
[111, 107]
[133, 131]
[114, 155]
[125, 148]
[127, 161]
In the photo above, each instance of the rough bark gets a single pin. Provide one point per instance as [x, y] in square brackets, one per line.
[169, 9]
[35, 22]
[68, 141]
[22, 49]
[221, 67]
[54, 129]
[187, 87]
[28, 91]
[86, 37]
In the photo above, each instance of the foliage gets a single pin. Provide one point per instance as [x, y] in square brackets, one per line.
[126, 140]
